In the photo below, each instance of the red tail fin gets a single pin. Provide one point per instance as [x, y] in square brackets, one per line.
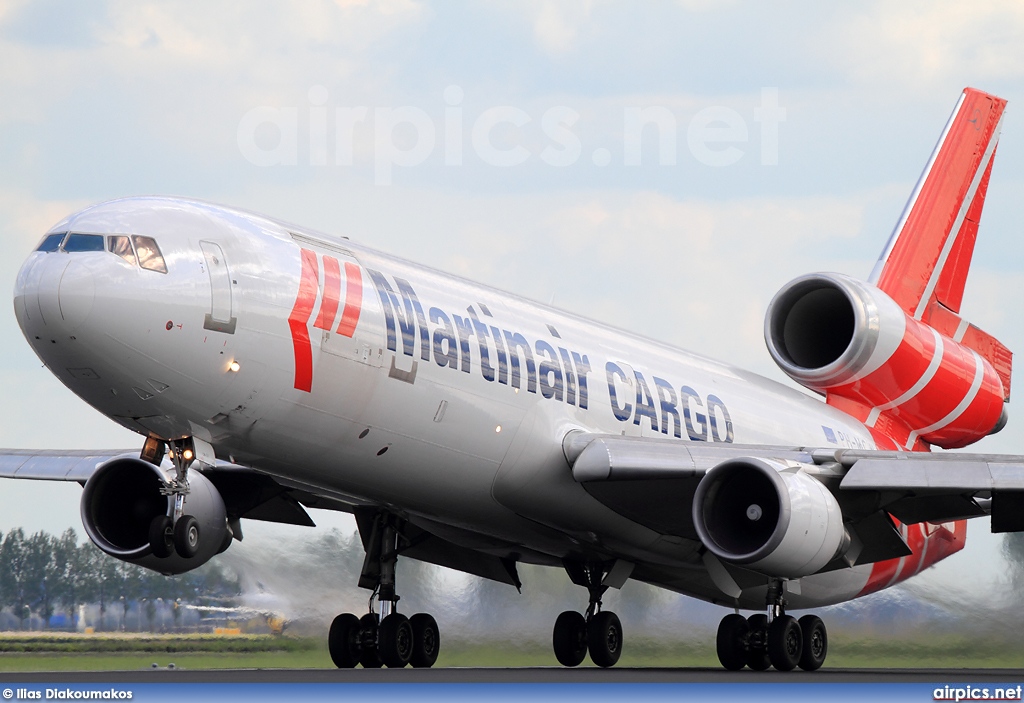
[925, 264]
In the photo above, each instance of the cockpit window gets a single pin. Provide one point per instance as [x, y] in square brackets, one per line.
[51, 242]
[84, 242]
[122, 246]
[149, 254]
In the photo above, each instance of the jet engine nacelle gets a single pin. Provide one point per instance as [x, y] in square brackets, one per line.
[845, 338]
[769, 517]
[121, 499]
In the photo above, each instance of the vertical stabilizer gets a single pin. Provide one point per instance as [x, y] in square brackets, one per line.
[925, 263]
[929, 252]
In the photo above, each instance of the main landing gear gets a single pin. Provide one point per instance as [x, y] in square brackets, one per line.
[773, 638]
[598, 632]
[176, 532]
[385, 637]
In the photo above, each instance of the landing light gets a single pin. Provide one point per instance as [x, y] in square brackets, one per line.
[187, 454]
[234, 366]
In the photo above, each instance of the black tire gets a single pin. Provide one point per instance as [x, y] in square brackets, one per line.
[731, 641]
[785, 643]
[394, 641]
[368, 656]
[186, 536]
[815, 642]
[757, 643]
[604, 638]
[570, 638]
[426, 641]
[161, 536]
[343, 641]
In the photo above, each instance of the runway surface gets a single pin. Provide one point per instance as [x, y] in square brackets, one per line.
[520, 675]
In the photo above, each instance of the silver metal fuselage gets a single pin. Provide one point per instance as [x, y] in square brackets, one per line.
[424, 428]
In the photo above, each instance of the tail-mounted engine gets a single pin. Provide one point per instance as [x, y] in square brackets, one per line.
[121, 500]
[847, 339]
[769, 517]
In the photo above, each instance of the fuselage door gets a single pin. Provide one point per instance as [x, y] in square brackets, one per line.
[221, 317]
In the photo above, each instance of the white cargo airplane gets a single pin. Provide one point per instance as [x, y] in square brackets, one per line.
[271, 367]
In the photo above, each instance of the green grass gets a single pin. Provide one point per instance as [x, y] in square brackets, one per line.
[107, 653]
[104, 643]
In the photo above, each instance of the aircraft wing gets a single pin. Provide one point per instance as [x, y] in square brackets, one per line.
[55, 465]
[247, 493]
[654, 482]
[254, 495]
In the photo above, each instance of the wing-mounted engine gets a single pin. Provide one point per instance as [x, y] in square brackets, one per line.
[851, 342]
[121, 500]
[768, 516]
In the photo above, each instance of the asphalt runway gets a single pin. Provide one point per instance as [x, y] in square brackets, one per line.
[520, 675]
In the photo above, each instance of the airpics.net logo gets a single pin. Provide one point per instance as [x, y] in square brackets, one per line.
[501, 136]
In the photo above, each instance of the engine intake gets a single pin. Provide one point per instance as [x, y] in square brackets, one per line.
[771, 517]
[121, 499]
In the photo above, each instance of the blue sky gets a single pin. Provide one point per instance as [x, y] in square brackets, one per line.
[107, 99]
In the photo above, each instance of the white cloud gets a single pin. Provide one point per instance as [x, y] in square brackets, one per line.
[923, 44]
[557, 23]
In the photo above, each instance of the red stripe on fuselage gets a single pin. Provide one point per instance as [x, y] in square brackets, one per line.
[353, 300]
[298, 321]
[332, 291]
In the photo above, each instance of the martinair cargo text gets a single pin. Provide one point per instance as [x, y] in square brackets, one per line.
[270, 368]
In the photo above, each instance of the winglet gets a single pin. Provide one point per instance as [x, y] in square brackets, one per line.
[925, 263]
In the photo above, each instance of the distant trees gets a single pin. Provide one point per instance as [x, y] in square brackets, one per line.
[41, 574]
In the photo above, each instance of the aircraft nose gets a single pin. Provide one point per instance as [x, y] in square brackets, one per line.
[53, 295]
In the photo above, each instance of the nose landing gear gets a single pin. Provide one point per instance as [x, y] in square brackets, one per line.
[177, 532]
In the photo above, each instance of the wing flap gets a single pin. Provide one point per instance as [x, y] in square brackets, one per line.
[921, 476]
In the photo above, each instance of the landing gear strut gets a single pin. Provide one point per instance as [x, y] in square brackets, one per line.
[598, 631]
[176, 532]
[772, 638]
[383, 636]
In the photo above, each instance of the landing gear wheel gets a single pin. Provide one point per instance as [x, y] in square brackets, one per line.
[394, 641]
[161, 536]
[570, 638]
[343, 641]
[604, 638]
[368, 655]
[426, 641]
[815, 642]
[757, 648]
[785, 643]
[186, 536]
[731, 641]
